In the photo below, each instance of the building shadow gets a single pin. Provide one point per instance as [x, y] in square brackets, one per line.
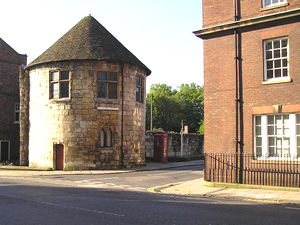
[43, 204]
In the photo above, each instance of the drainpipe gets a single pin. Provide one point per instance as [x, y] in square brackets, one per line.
[236, 105]
[241, 101]
[237, 10]
[239, 139]
[122, 118]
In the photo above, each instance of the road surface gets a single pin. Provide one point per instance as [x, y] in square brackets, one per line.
[76, 199]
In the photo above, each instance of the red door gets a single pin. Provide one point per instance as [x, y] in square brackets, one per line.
[60, 157]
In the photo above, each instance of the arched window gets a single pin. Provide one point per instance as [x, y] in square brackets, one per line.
[102, 138]
[105, 138]
[109, 138]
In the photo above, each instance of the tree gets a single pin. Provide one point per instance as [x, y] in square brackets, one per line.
[191, 100]
[170, 107]
[165, 107]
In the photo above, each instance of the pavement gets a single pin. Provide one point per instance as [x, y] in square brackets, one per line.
[201, 188]
[195, 188]
[23, 171]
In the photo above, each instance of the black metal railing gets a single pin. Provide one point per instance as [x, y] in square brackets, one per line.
[264, 170]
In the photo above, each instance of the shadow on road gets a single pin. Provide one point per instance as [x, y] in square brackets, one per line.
[41, 204]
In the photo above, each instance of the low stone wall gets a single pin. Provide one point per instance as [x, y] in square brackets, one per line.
[192, 145]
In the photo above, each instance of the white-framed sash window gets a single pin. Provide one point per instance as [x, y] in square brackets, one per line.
[269, 3]
[277, 136]
[276, 59]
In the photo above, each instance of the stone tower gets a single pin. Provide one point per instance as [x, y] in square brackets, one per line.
[83, 103]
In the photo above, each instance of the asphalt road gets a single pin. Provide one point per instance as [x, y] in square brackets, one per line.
[24, 202]
[139, 181]
[70, 200]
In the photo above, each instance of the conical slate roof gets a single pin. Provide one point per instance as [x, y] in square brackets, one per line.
[88, 40]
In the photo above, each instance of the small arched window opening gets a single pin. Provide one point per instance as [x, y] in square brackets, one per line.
[102, 138]
[109, 138]
[105, 138]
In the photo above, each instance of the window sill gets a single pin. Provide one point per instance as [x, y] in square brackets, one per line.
[16, 122]
[101, 108]
[289, 80]
[107, 102]
[59, 100]
[274, 7]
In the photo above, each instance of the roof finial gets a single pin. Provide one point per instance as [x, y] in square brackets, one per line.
[90, 14]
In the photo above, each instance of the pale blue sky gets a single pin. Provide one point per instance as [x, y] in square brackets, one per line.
[158, 32]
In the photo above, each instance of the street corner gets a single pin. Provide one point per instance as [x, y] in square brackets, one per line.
[161, 188]
[179, 188]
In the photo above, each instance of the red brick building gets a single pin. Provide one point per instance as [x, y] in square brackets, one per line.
[10, 62]
[252, 77]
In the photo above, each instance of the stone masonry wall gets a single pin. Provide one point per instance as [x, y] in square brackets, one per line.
[192, 145]
[77, 122]
[134, 118]
[24, 118]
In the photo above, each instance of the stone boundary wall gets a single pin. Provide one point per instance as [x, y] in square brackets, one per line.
[192, 145]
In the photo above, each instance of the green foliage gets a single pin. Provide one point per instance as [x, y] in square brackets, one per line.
[191, 101]
[162, 90]
[201, 128]
[155, 130]
[170, 107]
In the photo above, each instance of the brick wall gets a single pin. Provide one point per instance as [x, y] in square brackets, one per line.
[221, 11]
[10, 62]
[192, 145]
[219, 82]
[219, 94]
